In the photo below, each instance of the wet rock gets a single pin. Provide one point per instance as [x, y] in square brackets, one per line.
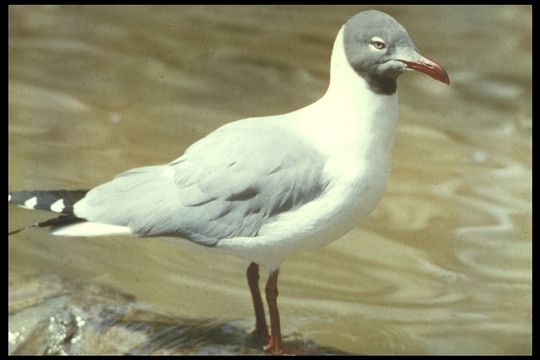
[51, 316]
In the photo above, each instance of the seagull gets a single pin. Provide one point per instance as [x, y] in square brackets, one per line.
[266, 188]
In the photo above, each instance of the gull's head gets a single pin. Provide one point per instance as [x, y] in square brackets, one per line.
[380, 49]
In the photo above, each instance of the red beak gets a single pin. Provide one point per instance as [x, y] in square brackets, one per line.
[430, 68]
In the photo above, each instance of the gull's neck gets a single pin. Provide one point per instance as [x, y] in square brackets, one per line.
[350, 117]
[345, 82]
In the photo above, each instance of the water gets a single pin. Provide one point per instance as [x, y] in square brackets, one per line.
[442, 266]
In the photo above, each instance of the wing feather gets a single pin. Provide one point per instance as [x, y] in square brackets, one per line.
[226, 185]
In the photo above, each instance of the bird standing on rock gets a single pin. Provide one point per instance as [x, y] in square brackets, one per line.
[269, 187]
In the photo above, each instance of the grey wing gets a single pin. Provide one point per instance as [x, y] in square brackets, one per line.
[226, 185]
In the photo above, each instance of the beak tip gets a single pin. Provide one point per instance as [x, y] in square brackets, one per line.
[431, 68]
[444, 75]
[446, 79]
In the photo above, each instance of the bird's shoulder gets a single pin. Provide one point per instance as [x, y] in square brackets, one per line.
[257, 145]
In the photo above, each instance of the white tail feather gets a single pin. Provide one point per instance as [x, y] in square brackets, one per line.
[91, 229]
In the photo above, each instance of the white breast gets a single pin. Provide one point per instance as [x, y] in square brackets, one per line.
[353, 128]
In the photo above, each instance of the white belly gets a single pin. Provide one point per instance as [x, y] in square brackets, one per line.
[352, 193]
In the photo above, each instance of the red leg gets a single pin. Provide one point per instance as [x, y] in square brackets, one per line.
[260, 320]
[274, 345]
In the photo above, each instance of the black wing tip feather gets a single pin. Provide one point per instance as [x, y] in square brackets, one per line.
[59, 201]
[54, 223]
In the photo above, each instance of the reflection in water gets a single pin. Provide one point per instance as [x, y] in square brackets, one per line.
[442, 266]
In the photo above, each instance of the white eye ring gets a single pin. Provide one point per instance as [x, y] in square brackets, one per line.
[377, 43]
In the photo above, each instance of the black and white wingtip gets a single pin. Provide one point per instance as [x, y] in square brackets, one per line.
[67, 223]
[57, 201]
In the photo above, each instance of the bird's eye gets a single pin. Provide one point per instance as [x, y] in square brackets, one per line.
[377, 43]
